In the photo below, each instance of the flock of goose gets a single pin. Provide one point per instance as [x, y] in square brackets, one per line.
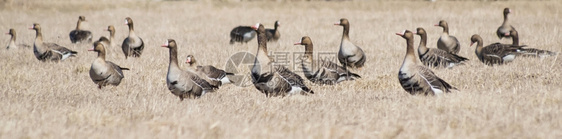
[415, 74]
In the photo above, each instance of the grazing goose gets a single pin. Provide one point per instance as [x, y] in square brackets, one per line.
[215, 76]
[446, 42]
[418, 79]
[184, 84]
[273, 34]
[280, 81]
[322, 71]
[132, 45]
[111, 30]
[12, 44]
[494, 53]
[505, 28]
[104, 72]
[533, 52]
[78, 35]
[349, 54]
[242, 34]
[49, 51]
[434, 57]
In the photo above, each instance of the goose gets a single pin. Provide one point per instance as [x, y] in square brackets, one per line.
[242, 34]
[533, 52]
[447, 42]
[184, 84]
[12, 44]
[349, 54]
[273, 34]
[78, 35]
[504, 30]
[494, 53]
[104, 72]
[418, 79]
[280, 81]
[132, 45]
[215, 76]
[111, 30]
[322, 71]
[434, 57]
[49, 51]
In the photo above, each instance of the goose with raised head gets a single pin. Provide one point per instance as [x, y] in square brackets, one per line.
[504, 30]
[280, 81]
[104, 72]
[111, 30]
[494, 53]
[349, 54]
[273, 34]
[49, 51]
[525, 51]
[322, 71]
[416, 78]
[78, 35]
[447, 42]
[184, 84]
[12, 44]
[214, 76]
[242, 34]
[133, 44]
[434, 57]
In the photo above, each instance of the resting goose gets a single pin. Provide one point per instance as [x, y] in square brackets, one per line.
[349, 54]
[280, 81]
[533, 52]
[273, 34]
[505, 28]
[78, 35]
[322, 71]
[184, 84]
[104, 72]
[12, 44]
[418, 79]
[214, 76]
[132, 45]
[446, 42]
[111, 30]
[242, 34]
[434, 57]
[494, 53]
[49, 51]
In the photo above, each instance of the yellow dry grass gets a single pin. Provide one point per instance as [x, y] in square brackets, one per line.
[522, 99]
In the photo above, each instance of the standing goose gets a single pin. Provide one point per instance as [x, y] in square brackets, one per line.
[78, 35]
[349, 54]
[215, 76]
[504, 30]
[49, 51]
[533, 52]
[184, 84]
[418, 79]
[111, 30]
[104, 72]
[273, 34]
[494, 53]
[434, 57]
[280, 81]
[12, 44]
[242, 34]
[322, 71]
[446, 42]
[132, 45]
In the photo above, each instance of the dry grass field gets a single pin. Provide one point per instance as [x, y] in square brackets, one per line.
[522, 99]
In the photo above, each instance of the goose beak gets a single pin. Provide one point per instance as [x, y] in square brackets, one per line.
[506, 34]
[91, 49]
[400, 34]
[165, 44]
[298, 43]
[471, 44]
[7, 33]
[32, 27]
[436, 25]
[255, 27]
[337, 23]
